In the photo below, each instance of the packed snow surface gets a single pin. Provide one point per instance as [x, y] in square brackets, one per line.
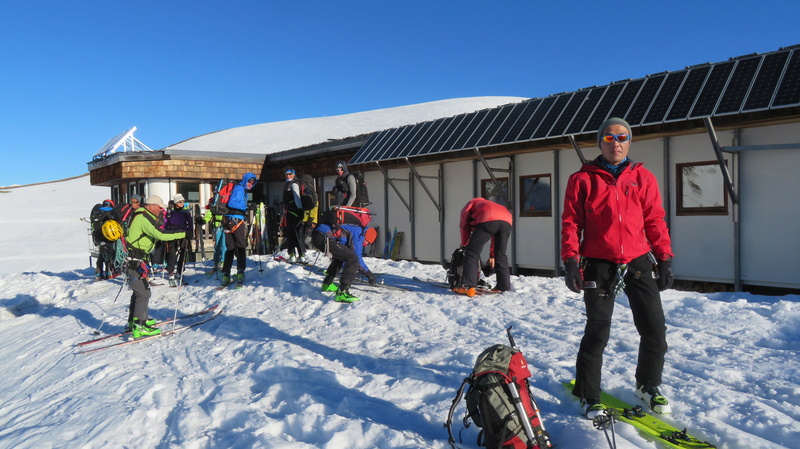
[284, 366]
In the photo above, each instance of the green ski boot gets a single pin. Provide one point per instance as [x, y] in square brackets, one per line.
[139, 330]
[343, 295]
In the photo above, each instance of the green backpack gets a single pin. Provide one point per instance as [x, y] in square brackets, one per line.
[498, 387]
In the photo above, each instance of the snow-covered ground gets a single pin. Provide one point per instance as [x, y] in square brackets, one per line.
[286, 367]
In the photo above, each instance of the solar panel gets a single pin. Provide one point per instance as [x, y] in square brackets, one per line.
[481, 129]
[535, 120]
[601, 111]
[421, 136]
[477, 118]
[498, 122]
[510, 121]
[441, 136]
[685, 99]
[766, 81]
[665, 97]
[530, 109]
[457, 131]
[569, 113]
[789, 90]
[432, 133]
[552, 116]
[625, 99]
[714, 85]
[373, 147]
[739, 85]
[403, 140]
[588, 106]
[645, 98]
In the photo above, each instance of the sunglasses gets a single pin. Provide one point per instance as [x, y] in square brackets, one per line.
[621, 138]
[134, 202]
[289, 173]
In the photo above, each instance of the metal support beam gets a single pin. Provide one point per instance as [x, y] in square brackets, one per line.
[491, 171]
[424, 186]
[726, 176]
[577, 148]
[391, 183]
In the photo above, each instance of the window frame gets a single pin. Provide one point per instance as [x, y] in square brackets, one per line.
[535, 213]
[681, 210]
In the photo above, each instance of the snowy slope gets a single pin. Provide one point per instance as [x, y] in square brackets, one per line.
[286, 367]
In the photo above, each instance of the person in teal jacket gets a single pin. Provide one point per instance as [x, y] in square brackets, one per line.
[142, 236]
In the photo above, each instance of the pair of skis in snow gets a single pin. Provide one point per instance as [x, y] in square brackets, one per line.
[648, 425]
[214, 310]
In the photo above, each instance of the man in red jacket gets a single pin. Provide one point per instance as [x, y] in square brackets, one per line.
[482, 220]
[613, 222]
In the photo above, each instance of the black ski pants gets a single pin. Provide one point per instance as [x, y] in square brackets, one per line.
[500, 231]
[341, 255]
[648, 316]
[235, 244]
[140, 299]
[294, 232]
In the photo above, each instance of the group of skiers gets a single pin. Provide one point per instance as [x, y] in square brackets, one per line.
[614, 238]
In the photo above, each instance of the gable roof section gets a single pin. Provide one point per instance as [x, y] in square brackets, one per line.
[745, 84]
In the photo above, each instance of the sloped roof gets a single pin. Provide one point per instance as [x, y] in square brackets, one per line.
[745, 84]
[274, 137]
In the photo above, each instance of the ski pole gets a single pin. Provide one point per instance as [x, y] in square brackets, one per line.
[124, 282]
[180, 289]
[544, 438]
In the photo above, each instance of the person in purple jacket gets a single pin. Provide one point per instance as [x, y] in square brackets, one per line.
[179, 218]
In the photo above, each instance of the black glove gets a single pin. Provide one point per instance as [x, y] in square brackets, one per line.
[665, 276]
[573, 277]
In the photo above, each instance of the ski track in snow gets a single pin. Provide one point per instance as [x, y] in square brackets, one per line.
[286, 366]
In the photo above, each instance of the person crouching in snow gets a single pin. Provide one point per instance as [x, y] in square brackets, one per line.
[482, 220]
[329, 238]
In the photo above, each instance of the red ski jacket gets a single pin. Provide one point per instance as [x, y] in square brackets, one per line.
[613, 219]
[477, 211]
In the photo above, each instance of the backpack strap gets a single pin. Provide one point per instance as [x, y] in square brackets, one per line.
[449, 423]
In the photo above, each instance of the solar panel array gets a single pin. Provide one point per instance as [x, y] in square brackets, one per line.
[750, 83]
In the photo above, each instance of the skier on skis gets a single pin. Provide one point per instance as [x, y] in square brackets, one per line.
[613, 234]
[235, 224]
[329, 238]
[141, 237]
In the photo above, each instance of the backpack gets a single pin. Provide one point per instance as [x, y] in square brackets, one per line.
[308, 192]
[498, 395]
[359, 216]
[97, 217]
[456, 269]
[362, 195]
[219, 206]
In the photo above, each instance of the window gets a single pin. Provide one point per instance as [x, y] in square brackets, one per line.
[190, 191]
[701, 189]
[492, 191]
[534, 196]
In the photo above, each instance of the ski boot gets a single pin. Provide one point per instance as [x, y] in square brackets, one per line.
[591, 407]
[653, 398]
[330, 287]
[343, 295]
[172, 281]
[139, 330]
[226, 280]
[239, 280]
[469, 291]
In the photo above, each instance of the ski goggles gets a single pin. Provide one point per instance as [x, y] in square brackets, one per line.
[621, 138]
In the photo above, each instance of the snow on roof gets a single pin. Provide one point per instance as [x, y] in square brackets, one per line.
[268, 138]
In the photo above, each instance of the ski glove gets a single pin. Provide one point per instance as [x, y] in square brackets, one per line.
[573, 277]
[665, 276]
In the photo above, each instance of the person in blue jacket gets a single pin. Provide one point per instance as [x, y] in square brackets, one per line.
[235, 225]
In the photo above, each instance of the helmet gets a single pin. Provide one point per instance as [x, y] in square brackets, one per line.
[112, 230]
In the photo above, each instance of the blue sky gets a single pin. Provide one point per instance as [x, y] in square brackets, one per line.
[75, 73]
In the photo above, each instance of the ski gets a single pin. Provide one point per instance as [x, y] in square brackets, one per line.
[162, 334]
[649, 425]
[160, 323]
[478, 290]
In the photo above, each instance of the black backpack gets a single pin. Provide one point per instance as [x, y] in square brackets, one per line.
[97, 217]
[456, 268]
[362, 195]
[498, 395]
[308, 192]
